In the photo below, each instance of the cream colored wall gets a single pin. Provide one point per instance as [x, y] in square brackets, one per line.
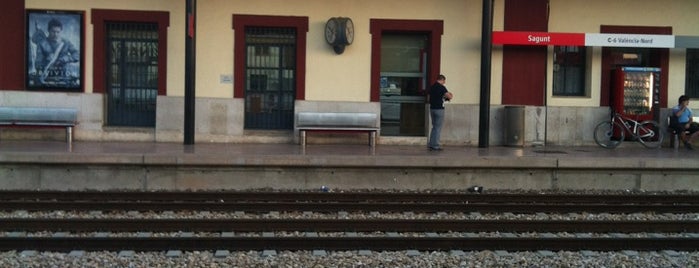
[329, 77]
[344, 77]
[175, 82]
[496, 55]
[586, 16]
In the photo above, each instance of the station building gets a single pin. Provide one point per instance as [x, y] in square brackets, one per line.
[258, 63]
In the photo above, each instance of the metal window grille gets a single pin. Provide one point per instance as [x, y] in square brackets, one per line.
[270, 77]
[569, 71]
[692, 73]
[132, 74]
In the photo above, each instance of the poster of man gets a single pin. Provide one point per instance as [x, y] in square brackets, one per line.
[54, 42]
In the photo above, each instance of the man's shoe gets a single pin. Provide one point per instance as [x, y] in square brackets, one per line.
[688, 146]
[435, 148]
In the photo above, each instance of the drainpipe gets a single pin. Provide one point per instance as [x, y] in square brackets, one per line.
[189, 72]
[486, 51]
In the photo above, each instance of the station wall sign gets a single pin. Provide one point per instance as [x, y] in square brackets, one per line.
[594, 39]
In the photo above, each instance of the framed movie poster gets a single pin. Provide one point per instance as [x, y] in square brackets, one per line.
[54, 50]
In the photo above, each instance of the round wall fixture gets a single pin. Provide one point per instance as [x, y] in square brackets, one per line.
[339, 32]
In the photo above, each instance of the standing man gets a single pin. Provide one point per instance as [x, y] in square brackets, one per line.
[684, 122]
[436, 96]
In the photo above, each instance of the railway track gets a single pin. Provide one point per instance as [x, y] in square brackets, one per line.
[261, 207]
[351, 197]
[344, 225]
[374, 234]
[333, 202]
[345, 243]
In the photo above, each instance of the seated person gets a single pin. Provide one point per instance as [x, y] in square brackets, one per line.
[682, 122]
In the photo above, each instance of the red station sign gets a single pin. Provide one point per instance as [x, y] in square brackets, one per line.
[539, 38]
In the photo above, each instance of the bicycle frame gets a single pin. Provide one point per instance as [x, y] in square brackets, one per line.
[631, 126]
[609, 134]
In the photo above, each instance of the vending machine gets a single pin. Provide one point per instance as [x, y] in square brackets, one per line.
[636, 92]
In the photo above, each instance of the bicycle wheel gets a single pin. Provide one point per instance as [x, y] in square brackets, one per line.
[650, 134]
[609, 134]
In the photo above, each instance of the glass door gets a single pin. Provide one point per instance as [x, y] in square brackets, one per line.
[403, 83]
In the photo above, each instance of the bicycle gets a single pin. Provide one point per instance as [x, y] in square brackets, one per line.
[609, 134]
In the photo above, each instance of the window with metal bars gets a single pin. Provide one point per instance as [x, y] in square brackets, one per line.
[132, 73]
[270, 74]
[692, 73]
[569, 71]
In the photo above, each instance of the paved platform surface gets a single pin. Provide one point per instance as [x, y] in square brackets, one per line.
[108, 165]
[627, 155]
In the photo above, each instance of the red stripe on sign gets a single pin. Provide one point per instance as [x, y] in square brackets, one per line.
[190, 26]
[539, 38]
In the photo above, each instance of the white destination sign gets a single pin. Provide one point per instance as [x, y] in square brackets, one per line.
[630, 40]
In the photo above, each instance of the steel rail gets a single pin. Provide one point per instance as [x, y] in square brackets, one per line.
[335, 202]
[345, 225]
[344, 243]
[329, 207]
[350, 197]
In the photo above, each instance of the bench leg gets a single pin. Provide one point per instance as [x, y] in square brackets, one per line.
[675, 140]
[69, 134]
[302, 138]
[372, 138]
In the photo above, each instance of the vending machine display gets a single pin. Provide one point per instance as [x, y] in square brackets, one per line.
[636, 92]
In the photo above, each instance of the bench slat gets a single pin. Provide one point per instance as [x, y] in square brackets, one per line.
[38, 114]
[336, 119]
[339, 128]
[58, 124]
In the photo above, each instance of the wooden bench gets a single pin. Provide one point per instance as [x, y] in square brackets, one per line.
[39, 117]
[337, 122]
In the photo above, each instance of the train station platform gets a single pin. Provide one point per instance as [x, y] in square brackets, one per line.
[54, 165]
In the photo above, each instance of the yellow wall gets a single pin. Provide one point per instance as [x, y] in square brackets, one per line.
[345, 77]
[329, 77]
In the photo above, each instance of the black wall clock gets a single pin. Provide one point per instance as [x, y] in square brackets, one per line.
[339, 32]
